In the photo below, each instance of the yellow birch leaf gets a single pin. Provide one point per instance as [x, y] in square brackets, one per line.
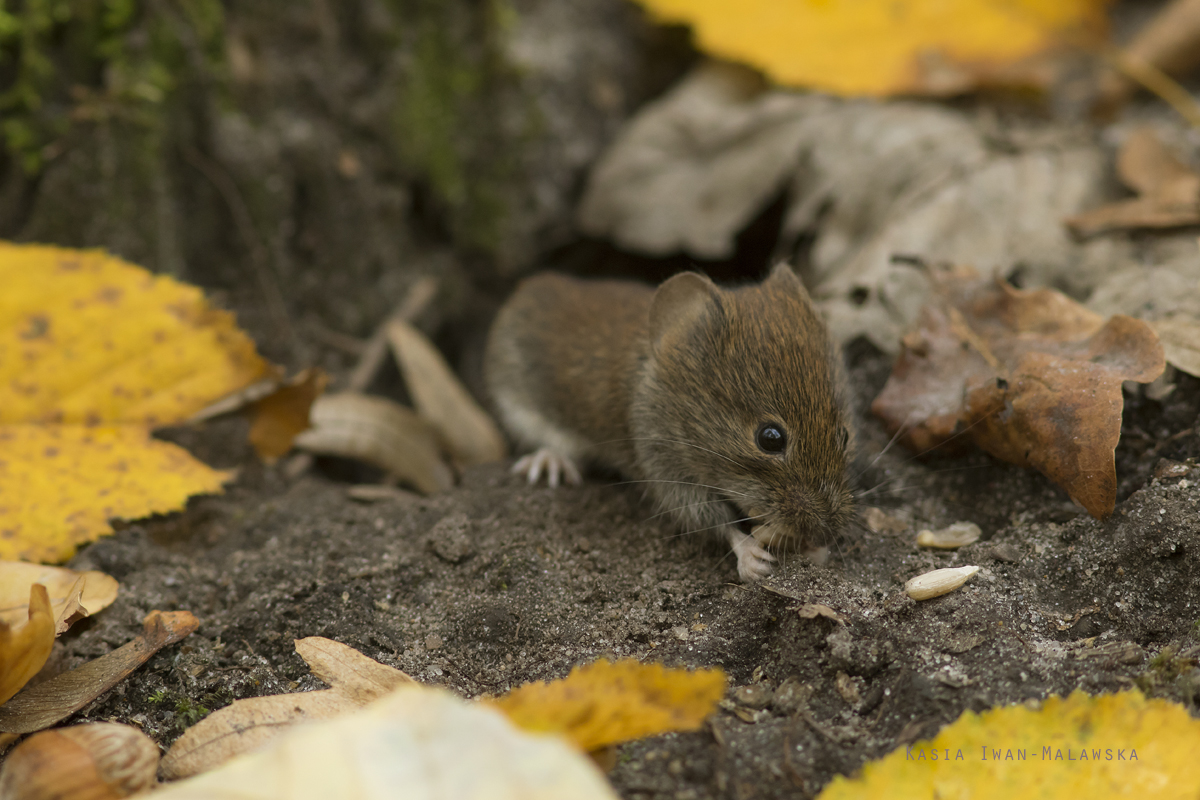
[605, 703]
[886, 47]
[94, 353]
[24, 650]
[1110, 746]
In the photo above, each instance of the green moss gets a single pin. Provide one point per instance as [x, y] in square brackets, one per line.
[71, 61]
[446, 125]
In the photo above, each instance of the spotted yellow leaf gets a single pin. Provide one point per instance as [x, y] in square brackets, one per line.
[94, 353]
[886, 47]
[1111, 746]
[606, 703]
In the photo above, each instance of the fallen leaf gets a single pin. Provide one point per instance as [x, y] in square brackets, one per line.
[423, 743]
[275, 420]
[98, 590]
[1029, 376]
[380, 432]
[41, 706]
[1168, 190]
[1111, 746]
[1180, 337]
[94, 352]
[246, 725]
[1169, 42]
[888, 47]
[24, 649]
[469, 433]
[863, 182]
[605, 703]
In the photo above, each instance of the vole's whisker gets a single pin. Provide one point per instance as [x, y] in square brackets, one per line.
[895, 438]
[714, 527]
[686, 483]
[681, 508]
[668, 441]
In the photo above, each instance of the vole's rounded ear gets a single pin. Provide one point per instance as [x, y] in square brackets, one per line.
[783, 277]
[677, 307]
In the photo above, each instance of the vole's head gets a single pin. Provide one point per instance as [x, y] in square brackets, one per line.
[744, 393]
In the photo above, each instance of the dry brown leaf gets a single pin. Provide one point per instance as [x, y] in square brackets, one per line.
[244, 725]
[469, 433]
[380, 432]
[277, 418]
[98, 591]
[1168, 190]
[1169, 42]
[24, 650]
[1030, 376]
[47, 703]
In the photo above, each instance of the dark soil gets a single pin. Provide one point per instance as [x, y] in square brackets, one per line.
[495, 584]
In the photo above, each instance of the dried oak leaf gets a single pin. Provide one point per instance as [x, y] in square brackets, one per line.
[245, 725]
[606, 703]
[279, 417]
[1110, 746]
[1032, 377]
[94, 353]
[1168, 190]
[888, 47]
[72, 594]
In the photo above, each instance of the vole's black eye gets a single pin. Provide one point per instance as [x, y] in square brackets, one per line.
[770, 438]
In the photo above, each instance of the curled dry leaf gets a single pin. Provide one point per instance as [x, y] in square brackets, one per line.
[248, 724]
[605, 703]
[43, 705]
[814, 610]
[97, 591]
[1168, 190]
[95, 761]
[24, 649]
[470, 435]
[419, 743]
[938, 582]
[277, 418]
[1032, 377]
[380, 432]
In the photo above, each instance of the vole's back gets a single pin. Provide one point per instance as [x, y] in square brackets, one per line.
[590, 339]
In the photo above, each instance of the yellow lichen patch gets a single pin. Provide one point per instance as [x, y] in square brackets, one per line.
[1112, 746]
[884, 47]
[605, 703]
[61, 484]
[24, 649]
[94, 353]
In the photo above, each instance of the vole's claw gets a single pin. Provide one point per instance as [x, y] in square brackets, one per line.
[754, 562]
[556, 466]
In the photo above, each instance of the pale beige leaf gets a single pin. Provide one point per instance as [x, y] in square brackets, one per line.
[467, 430]
[16, 577]
[380, 432]
[1180, 337]
[418, 743]
[349, 671]
[246, 725]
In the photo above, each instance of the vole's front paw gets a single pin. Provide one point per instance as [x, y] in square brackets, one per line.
[555, 465]
[754, 562]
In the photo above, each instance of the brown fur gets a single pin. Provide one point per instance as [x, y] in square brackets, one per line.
[670, 387]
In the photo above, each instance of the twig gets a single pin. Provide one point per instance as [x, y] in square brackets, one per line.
[1157, 82]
